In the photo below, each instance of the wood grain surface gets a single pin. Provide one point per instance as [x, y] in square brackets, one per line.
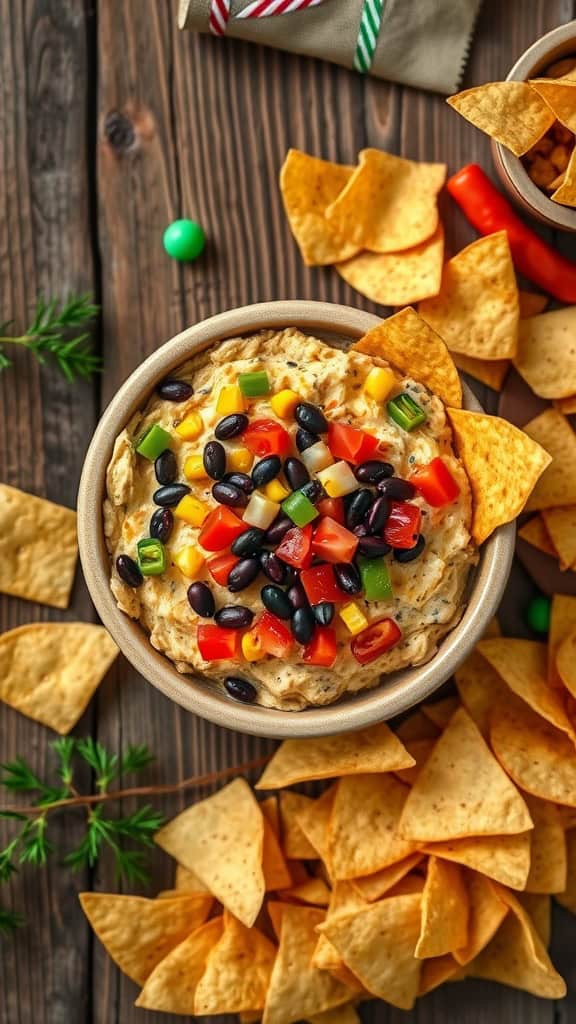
[112, 124]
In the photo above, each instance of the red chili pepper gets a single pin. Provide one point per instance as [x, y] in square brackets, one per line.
[351, 444]
[435, 483]
[334, 542]
[376, 640]
[488, 210]
[402, 527]
[218, 644]
[219, 567]
[332, 507]
[295, 546]
[322, 649]
[220, 529]
[266, 437]
[319, 582]
[274, 635]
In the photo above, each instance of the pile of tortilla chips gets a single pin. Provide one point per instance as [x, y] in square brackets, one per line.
[431, 855]
[553, 529]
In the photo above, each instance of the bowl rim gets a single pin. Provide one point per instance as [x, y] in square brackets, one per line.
[399, 691]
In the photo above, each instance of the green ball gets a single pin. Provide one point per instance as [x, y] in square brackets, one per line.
[538, 614]
[184, 240]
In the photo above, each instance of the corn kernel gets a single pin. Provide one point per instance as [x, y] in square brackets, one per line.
[191, 510]
[230, 400]
[239, 460]
[252, 646]
[191, 427]
[284, 403]
[190, 561]
[353, 618]
[276, 491]
[194, 468]
[379, 383]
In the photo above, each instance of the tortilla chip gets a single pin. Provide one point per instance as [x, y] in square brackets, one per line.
[314, 821]
[294, 841]
[535, 755]
[561, 526]
[38, 548]
[560, 95]
[502, 464]
[486, 913]
[557, 486]
[313, 891]
[398, 278]
[374, 887]
[343, 900]
[345, 1014]
[407, 342]
[566, 662]
[138, 933]
[389, 203]
[445, 909]
[546, 356]
[171, 986]
[562, 623]
[510, 112]
[308, 185]
[539, 908]
[369, 806]
[276, 873]
[534, 532]
[531, 303]
[441, 711]
[491, 372]
[377, 944]
[436, 971]
[567, 406]
[523, 665]
[375, 749]
[477, 309]
[271, 810]
[221, 840]
[567, 898]
[479, 687]
[420, 750]
[506, 859]
[187, 881]
[477, 799]
[237, 973]
[417, 727]
[548, 853]
[50, 670]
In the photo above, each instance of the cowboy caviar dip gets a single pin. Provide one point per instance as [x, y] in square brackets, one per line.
[290, 519]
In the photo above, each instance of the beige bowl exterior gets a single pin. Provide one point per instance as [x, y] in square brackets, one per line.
[399, 691]
[560, 42]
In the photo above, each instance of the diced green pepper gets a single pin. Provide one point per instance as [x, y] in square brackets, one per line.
[375, 579]
[152, 559]
[255, 384]
[406, 412]
[153, 442]
[299, 508]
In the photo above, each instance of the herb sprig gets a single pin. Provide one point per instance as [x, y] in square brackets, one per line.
[53, 332]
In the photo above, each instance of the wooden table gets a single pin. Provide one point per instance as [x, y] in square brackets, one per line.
[112, 124]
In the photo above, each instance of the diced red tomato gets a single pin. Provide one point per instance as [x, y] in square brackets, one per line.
[333, 507]
[435, 483]
[219, 567]
[376, 640]
[319, 582]
[334, 542]
[323, 648]
[266, 437]
[351, 444]
[220, 529]
[402, 527]
[295, 548]
[274, 635]
[218, 644]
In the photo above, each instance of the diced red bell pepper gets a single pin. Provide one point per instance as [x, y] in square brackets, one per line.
[402, 527]
[274, 635]
[333, 542]
[218, 644]
[319, 582]
[435, 483]
[266, 437]
[333, 507]
[351, 444]
[322, 649]
[376, 640]
[219, 567]
[295, 548]
[220, 529]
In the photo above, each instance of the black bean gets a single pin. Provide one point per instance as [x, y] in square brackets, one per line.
[161, 524]
[292, 576]
[373, 547]
[276, 601]
[373, 471]
[296, 473]
[273, 567]
[399, 490]
[324, 612]
[170, 495]
[231, 426]
[129, 571]
[248, 543]
[304, 439]
[348, 577]
[409, 554]
[361, 530]
[201, 600]
[228, 494]
[278, 529]
[166, 467]
[297, 596]
[234, 616]
[310, 418]
[241, 480]
[313, 491]
[174, 390]
[214, 458]
[359, 504]
[266, 470]
[240, 689]
[377, 515]
[242, 574]
[303, 625]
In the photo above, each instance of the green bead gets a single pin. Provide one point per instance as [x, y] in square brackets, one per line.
[184, 240]
[538, 614]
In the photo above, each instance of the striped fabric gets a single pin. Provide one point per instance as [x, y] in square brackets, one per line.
[266, 8]
[370, 22]
[219, 14]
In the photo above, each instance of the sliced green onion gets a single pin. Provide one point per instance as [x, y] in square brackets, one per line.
[299, 508]
[255, 384]
[375, 579]
[153, 442]
[406, 412]
[151, 557]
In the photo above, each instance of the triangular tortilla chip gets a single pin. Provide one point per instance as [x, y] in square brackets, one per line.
[187, 881]
[567, 406]
[566, 662]
[474, 800]
[417, 727]
[172, 985]
[438, 970]
[560, 95]
[491, 372]
[346, 1014]
[308, 185]
[440, 712]
[397, 278]
[313, 891]
[560, 524]
[270, 808]
[237, 973]
[548, 852]
[506, 859]
[546, 356]
[511, 112]
[486, 913]
[221, 840]
[374, 887]
[50, 670]
[537, 756]
[276, 873]
[539, 908]
[445, 910]
[138, 933]
[344, 900]
[369, 806]
[294, 841]
[480, 687]
[557, 486]
[314, 820]
[420, 750]
[567, 898]
[534, 532]
[562, 623]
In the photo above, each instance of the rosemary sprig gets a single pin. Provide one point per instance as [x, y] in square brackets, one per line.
[53, 332]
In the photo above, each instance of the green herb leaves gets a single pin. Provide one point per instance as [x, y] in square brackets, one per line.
[53, 332]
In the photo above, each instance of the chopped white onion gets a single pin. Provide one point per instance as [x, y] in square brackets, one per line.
[317, 457]
[260, 511]
[338, 480]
